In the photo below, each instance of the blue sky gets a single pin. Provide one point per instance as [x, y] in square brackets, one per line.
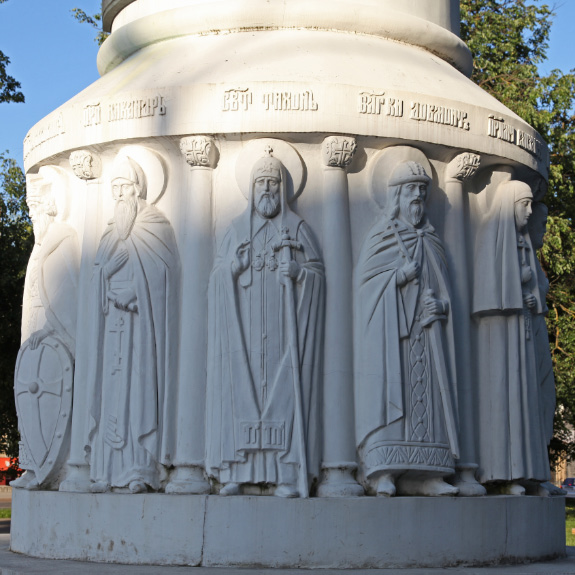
[54, 57]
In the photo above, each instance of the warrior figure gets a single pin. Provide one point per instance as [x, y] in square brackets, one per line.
[406, 416]
[49, 309]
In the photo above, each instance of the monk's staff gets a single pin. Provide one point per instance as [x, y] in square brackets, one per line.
[285, 248]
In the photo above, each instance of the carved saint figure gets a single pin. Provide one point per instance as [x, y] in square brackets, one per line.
[265, 334]
[135, 326]
[537, 229]
[48, 330]
[506, 299]
[406, 418]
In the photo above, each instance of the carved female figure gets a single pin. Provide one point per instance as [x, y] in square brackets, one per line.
[506, 298]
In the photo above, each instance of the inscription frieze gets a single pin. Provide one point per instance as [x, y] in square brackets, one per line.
[499, 129]
[92, 115]
[242, 99]
[375, 104]
[237, 99]
[137, 108]
[43, 132]
[288, 101]
[439, 115]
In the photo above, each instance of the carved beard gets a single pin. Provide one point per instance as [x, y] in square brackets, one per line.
[41, 225]
[268, 206]
[412, 211]
[125, 214]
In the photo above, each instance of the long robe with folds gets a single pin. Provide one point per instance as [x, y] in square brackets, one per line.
[405, 397]
[545, 374]
[252, 434]
[133, 371]
[511, 429]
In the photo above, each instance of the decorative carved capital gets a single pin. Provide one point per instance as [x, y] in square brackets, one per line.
[85, 165]
[199, 151]
[463, 167]
[338, 151]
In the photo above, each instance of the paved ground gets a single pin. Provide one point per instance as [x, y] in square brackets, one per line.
[14, 564]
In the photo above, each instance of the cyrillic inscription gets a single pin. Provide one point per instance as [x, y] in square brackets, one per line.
[529, 143]
[288, 101]
[439, 115]
[370, 103]
[44, 132]
[497, 128]
[135, 109]
[92, 115]
[237, 99]
[377, 104]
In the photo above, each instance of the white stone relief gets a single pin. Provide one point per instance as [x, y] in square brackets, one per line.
[85, 165]
[506, 301]
[459, 172]
[201, 154]
[537, 228]
[463, 167]
[338, 151]
[264, 344]
[406, 403]
[44, 369]
[199, 151]
[339, 466]
[134, 302]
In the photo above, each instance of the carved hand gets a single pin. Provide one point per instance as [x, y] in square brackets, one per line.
[290, 269]
[116, 263]
[37, 337]
[529, 300]
[433, 306]
[125, 299]
[408, 272]
[241, 259]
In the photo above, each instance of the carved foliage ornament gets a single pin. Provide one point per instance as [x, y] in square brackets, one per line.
[463, 167]
[338, 151]
[199, 151]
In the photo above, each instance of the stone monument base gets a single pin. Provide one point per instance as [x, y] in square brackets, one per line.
[272, 532]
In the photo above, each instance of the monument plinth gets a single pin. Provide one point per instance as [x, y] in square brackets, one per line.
[283, 265]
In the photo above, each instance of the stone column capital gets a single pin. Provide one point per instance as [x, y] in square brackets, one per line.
[85, 165]
[462, 167]
[338, 151]
[199, 151]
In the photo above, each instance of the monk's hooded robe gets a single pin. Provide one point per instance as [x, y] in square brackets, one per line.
[133, 370]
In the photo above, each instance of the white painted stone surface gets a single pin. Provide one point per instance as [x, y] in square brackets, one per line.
[225, 355]
[274, 532]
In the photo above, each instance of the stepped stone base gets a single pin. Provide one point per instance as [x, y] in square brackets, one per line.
[249, 531]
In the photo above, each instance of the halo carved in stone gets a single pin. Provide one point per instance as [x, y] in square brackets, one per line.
[384, 162]
[154, 167]
[253, 150]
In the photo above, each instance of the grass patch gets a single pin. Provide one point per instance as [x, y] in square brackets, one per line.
[7, 514]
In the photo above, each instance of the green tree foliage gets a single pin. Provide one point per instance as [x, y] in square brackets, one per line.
[95, 21]
[16, 242]
[509, 41]
[9, 87]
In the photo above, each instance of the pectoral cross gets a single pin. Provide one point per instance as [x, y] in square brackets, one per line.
[118, 345]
